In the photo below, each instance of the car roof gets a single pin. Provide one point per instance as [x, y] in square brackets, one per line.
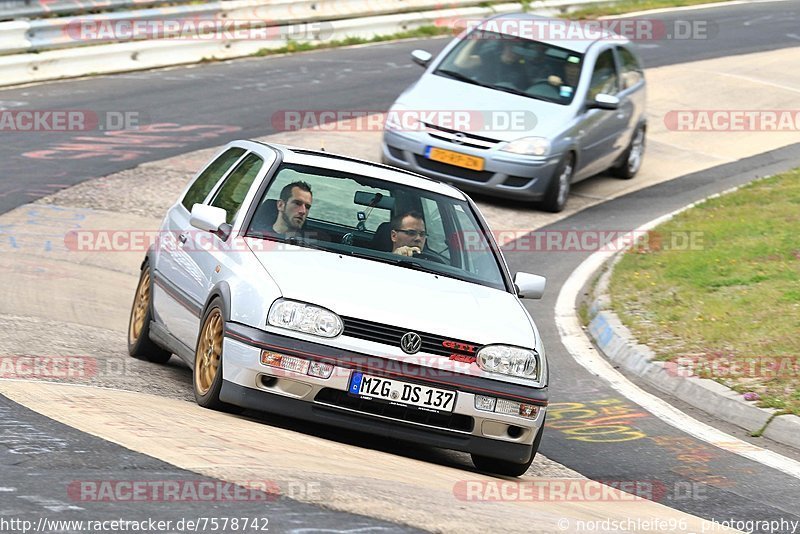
[343, 163]
[523, 27]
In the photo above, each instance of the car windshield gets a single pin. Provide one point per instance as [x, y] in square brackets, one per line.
[520, 66]
[374, 219]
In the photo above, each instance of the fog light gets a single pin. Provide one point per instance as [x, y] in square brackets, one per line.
[320, 369]
[290, 363]
[482, 402]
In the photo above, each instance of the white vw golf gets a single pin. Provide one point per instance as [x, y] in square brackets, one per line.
[347, 293]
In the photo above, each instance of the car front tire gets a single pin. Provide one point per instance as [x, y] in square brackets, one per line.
[631, 160]
[140, 345]
[555, 199]
[207, 374]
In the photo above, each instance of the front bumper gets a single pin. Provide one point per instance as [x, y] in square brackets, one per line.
[505, 174]
[249, 384]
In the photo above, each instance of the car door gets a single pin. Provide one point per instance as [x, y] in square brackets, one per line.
[207, 250]
[173, 265]
[601, 130]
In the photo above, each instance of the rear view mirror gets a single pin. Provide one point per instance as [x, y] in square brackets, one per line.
[421, 57]
[529, 286]
[604, 101]
[374, 200]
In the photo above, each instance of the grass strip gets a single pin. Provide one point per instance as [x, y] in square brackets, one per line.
[717, 288]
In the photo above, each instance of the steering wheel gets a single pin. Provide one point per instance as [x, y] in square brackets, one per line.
[430, 255]
[545, 88]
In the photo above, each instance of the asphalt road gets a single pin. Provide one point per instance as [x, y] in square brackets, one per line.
[690, 475]
[208, 105]
[187, 108]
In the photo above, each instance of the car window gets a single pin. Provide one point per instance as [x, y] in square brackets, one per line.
[330, 198]
[201, 187]
[437, 238]
[631, 69]
[512, 64]
[232, 192]
[604, 76]
[351, 215]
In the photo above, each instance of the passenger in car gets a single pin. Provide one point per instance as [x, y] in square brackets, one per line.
[408, 233]
[293, 206]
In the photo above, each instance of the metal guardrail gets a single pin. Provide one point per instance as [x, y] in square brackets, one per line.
[282, 17]
[68, 32]
[34, 9]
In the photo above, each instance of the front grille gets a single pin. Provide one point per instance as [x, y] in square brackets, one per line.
[458, 137]
[342, 399]
[452, 170]
[390, 335]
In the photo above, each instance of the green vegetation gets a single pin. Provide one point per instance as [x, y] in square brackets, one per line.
[719, 287]
[294, 46]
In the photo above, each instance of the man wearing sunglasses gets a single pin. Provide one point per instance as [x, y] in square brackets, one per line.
[408, 233]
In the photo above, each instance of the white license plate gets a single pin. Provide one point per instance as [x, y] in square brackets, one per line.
[398, 392]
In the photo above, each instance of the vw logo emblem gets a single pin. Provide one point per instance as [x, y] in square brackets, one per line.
[411, 343]
[458, 138]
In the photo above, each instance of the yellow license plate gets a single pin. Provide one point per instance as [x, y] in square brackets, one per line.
[455, 158]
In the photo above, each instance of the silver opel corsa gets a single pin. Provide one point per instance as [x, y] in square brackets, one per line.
[520, 107]
[347, 293]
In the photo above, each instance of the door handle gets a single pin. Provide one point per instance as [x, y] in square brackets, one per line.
[182, 238]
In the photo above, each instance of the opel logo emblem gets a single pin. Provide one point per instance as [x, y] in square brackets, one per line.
[410, 343]
[458, 138]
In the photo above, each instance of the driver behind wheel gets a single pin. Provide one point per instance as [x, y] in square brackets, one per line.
[408, 233]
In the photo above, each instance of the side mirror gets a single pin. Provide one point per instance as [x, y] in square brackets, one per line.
[529, 286]
[211, 219]
[604, 101]
[421, 57]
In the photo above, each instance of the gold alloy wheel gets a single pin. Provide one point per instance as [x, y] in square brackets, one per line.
[209, 351]
[141, 303]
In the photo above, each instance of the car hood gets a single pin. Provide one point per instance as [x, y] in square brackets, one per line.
[438, 93]
[398, 296]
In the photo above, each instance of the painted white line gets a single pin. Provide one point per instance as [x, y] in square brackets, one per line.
[580, 347]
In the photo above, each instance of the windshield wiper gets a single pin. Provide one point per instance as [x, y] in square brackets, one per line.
[511, 90]
[411, 264]
[458, 76]
[400, 261]
[522, 93]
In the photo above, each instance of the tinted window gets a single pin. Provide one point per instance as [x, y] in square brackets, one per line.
[437, 240]
[199, 190]
[349, 216]
[524, 66]
[604, 76]
[232, 192]
[631, 70]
